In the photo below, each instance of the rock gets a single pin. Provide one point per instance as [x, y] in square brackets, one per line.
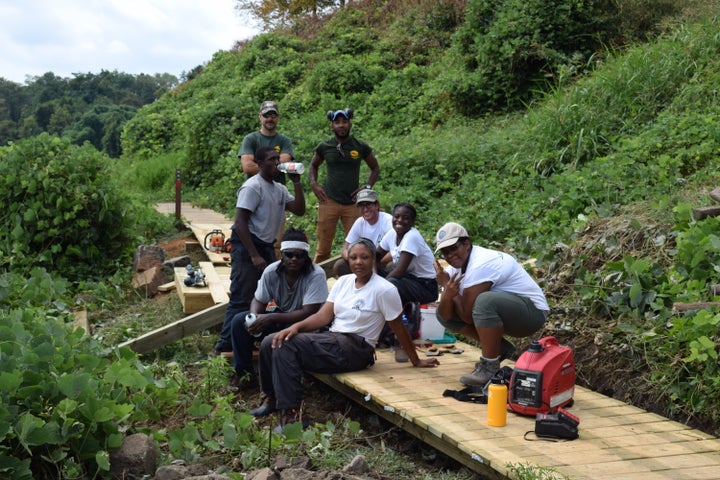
[171, 472]
[153, 252]
[136, 457]
[358, 466]
[146, 283]
[262, 474]
[182, 261]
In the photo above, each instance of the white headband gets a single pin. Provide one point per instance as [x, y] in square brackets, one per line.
[294, 244]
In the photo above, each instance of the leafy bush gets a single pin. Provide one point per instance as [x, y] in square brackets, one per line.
[63, 397]
[63, 210]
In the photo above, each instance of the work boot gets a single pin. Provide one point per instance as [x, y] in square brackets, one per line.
[289, 416]
[266, 408]
[484, 371]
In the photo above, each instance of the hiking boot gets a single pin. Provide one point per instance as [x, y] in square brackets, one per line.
[507, 349]
[266, 408]
[484, 371]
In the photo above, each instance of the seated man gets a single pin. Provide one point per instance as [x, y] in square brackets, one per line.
[288, 291]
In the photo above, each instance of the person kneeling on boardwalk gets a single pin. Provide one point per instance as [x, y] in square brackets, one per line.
[487, 294]
[358, 306]
[289, 290]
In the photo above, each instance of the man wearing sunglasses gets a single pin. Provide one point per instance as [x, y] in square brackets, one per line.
[288, 291]
[267, 136]
[343, 155]
[487, 294]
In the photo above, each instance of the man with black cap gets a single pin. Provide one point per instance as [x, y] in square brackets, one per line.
[343, 154]
[267, 136]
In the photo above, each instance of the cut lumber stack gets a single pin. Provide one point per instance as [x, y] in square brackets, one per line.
[195, 299]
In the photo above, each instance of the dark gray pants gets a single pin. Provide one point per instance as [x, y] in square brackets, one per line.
[281, 369]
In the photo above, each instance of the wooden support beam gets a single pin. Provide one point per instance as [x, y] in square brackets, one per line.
[177, 330]
[218, 289]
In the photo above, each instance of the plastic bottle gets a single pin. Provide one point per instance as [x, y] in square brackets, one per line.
[292, 167]
[249, 320]
[497, 403]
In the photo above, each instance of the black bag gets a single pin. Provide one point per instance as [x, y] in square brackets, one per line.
[478, 394]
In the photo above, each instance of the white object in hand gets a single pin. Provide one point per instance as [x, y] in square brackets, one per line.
[292, 167]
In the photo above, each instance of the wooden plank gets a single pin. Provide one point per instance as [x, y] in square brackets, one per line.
[201, 230]
[193, 299]
[218, 290]
[166, 287]
[81, 320]
[177, 330]
[618, 440]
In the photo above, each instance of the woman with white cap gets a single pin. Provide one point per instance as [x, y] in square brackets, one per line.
[487, 294]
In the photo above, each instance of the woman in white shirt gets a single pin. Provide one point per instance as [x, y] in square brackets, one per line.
[357, 308]
[487, 294]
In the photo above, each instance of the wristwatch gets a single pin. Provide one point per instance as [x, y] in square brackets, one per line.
[368, 186]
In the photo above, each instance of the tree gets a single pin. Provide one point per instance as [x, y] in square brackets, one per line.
[281, 13]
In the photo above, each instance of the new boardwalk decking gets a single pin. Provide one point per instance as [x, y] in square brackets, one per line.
[617, 441]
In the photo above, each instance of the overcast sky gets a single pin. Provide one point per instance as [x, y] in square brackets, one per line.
[130, 36]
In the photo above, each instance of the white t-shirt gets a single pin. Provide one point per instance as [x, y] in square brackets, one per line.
[364, 310]
[266, 200]
[308, 289]
[412, 242]
[362, 229]
[505, 273]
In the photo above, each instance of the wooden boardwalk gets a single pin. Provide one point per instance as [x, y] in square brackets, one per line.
[617, 441]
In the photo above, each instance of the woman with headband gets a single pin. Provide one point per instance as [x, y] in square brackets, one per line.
[356, 310]
[288, 291]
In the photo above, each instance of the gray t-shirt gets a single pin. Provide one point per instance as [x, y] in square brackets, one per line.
[266, 200]
[308, 289]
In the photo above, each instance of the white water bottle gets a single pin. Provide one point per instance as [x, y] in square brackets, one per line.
[249, 320]
[292, 167]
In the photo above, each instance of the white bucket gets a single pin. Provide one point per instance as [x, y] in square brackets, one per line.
[430, 328]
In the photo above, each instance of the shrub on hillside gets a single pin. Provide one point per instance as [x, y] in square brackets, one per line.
[62, 209]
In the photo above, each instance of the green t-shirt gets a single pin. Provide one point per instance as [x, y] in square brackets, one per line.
[255, 140]
[343, 162]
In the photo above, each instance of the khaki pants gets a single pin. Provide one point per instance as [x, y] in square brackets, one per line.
[329, 212]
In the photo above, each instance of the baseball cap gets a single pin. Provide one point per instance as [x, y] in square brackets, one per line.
[366, 195]
[449, 234]
[268, 106]
[347, 113]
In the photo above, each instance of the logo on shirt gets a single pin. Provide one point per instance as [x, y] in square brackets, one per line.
[358, 305]
[354, 154]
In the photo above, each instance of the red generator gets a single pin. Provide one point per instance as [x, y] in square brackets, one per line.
[543, 378]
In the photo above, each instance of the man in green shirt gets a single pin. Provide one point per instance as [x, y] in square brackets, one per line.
[343, 155]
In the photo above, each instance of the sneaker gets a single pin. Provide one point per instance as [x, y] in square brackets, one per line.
[401, 356]
[507, 349]
[484, 371]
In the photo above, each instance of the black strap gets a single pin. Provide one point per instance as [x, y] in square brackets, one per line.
[467, 394]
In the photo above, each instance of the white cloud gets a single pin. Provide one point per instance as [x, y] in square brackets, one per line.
[131, 36]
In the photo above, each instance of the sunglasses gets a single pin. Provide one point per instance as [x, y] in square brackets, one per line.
[291, 255]
[449, 250]
[270, 115]
[340, 150]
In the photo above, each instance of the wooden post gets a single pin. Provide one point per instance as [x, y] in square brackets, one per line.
[178, 193]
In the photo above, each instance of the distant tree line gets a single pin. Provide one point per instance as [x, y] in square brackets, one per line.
[89, 107]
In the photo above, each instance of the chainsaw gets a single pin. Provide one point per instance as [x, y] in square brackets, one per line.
[215, 242]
